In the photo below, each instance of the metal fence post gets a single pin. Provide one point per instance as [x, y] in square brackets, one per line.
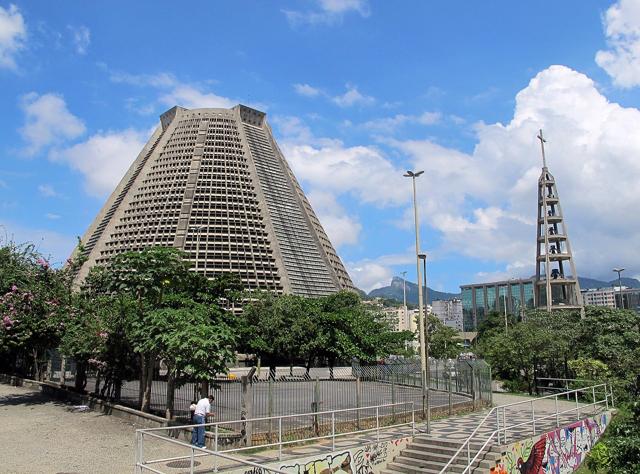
[393, 402]
[577, 406]
[270, 409]
[498, 423]
[557, 417]
[450, 402]
[413, 419]
[333, 430]
[606, 396]
[280, 439]
[141, 453]
[378, 424]
[316, 404]
[215, 438]
[358, 404]
[593, 393]
[504, 424]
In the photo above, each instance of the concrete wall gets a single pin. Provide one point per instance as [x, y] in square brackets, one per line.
[66, 394]
[370, 459]
[557, 452]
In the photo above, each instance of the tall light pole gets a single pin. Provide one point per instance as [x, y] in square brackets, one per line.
[423, 356]
[404, 298]
[423, 257]
[619, 271]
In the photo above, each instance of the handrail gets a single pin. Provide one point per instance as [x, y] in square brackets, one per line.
[495, 410]
[205, 451]
[265, 418]
[141, 433]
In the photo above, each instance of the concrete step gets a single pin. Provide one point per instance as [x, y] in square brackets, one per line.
[408, 467]
[447, 443]
[425, 455]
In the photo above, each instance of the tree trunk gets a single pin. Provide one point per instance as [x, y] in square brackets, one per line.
[143, 379]
[36, 368]
[146, 397]
[81, 376]
[171, 386]
[204, 389]
[96, 389]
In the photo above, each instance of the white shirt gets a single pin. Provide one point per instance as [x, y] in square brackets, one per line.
[203, 407]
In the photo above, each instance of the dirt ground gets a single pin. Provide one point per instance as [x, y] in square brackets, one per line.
[39, 435]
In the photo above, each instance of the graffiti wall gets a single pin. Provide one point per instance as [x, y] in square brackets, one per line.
[369, 459]
[557, 452]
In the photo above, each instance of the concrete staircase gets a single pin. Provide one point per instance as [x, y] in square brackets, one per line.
[429, 454]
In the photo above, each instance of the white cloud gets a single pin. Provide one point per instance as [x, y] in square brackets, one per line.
[353, 97]
[52, 216]
[81, 36]
[622, 58]
[367, 274]
[48, 122]
[172, 91]
[306, 90]
[13, 34]
[328, 12]
[191, 97]
[484, 203]
[390, 124]
[103, 159]
[54, 246]
[341, 228]
[47, 190]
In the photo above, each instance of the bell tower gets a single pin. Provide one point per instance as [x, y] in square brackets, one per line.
[556, 285]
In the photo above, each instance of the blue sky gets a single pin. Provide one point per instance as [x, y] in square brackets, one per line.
[356, 91]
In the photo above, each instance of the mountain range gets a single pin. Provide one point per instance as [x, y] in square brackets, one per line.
[394, 290]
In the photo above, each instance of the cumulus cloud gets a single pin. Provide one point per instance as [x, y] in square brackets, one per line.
[103, 159]
[390, 124]
[172, 91]
[328, 12]
[352, 97]
[191, 97]
[13, 35]
[622, 58]
[483, 203]
[306, 90]
[47, 190]
[48, 122]
[341, 228]
[81, 36]
[56, 247]
[367, 274]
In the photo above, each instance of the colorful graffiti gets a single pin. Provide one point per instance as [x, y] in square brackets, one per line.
[338, 463]
[370, 459]
[557, 452]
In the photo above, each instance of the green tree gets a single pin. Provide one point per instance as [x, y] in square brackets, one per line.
[278, 329]
[444, 342]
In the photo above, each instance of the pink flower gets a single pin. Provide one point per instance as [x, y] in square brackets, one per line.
[103, 334]
[14, 288]
[7, 322]
[43, 263]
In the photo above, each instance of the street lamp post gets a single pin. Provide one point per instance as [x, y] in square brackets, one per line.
[423, 257]
[423, 357]
[404, 299]
[619, 271]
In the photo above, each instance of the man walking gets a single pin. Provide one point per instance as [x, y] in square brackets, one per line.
[203, 410]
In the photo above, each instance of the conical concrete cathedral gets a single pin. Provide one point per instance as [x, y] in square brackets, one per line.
[214, 183]
[557, 284]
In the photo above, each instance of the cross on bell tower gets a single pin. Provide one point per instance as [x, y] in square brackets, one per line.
[556, 285]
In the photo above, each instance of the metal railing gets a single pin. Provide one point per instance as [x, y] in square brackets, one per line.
[536, 418]
[382, 413]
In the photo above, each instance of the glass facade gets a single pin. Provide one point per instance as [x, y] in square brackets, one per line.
[481, 306]
[467, 309]
[481, 299]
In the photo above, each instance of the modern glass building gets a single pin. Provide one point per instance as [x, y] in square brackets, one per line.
[480, 299]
